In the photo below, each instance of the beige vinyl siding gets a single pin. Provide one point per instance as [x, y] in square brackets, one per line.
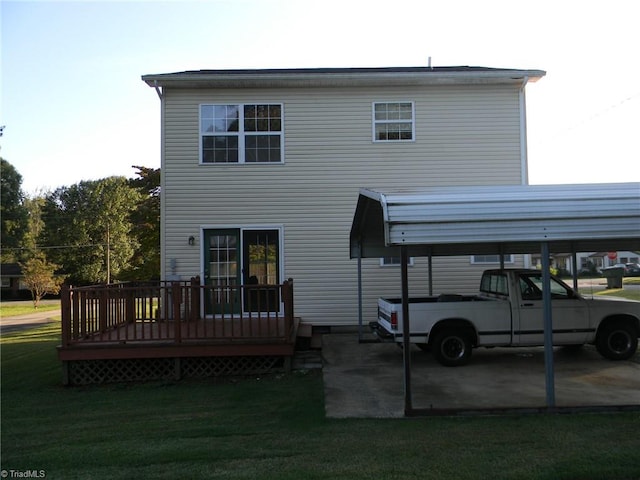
[465, 135]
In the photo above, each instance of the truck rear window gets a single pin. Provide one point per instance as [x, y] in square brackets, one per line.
[494, 283]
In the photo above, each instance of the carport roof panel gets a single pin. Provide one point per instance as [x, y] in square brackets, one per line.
[508, 219]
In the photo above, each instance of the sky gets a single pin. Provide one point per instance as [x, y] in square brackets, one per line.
[75, 108]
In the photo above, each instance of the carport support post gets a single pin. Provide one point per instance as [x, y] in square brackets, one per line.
[406, 344]
[574, 269]
[430, 273]
[359, 294]
[548, 327]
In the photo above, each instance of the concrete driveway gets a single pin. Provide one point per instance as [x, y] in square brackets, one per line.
[34, 319]
[366, 380]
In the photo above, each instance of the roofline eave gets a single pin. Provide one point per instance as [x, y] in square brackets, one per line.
[301, 79]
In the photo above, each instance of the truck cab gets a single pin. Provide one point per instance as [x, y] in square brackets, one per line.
[570, 311]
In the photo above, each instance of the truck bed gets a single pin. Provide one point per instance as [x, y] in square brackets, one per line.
[445, 297]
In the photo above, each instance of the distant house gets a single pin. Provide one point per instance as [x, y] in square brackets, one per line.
[589, 262]
[261, 171]
[11, 278]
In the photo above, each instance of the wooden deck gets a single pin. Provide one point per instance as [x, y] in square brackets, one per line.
[177, 320]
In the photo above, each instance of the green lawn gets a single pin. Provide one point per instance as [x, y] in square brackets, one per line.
[274, 428]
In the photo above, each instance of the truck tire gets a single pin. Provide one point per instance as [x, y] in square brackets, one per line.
[617, 341]
[452, 348]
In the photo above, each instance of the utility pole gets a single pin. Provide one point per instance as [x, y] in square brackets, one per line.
[108, 255]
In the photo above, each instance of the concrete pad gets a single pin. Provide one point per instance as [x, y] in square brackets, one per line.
[366, 380]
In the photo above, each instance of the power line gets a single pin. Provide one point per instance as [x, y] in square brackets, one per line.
[595, 116]
[53, 247]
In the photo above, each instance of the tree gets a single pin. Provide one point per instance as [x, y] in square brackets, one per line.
[145, 263]
[13, 216]
[40, 278]
[89, 224]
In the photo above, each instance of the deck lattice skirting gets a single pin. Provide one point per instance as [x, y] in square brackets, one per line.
[88, 372]
[127, 332]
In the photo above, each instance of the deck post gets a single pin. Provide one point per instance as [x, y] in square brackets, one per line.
[287, 298]
[176, 298]
[65, 302]
[177, 369]
[287, 365]
[80, 305]
[66, 373]
[130, 306]
[194, 295]
[103, 310]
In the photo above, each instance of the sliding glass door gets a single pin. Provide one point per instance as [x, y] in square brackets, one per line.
[234, 257]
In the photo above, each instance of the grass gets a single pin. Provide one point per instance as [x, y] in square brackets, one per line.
[10, 309]
[274, 428]
[629, 294]
[621, 292]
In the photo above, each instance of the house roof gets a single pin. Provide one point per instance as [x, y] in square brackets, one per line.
[497, 219]
[10, 270]
[336, 77]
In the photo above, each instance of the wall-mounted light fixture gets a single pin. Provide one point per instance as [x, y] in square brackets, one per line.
[192, 240]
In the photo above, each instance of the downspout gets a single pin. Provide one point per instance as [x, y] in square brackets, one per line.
[163, 252]
[523, 133]
[524, 160]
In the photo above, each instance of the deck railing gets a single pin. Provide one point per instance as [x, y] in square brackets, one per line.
[177, 312]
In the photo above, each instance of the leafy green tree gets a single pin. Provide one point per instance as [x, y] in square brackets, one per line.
[88, 229]
[13, 215]
[40, 277]
[145, 263]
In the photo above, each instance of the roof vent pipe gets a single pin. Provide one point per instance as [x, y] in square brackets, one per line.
[429, 64]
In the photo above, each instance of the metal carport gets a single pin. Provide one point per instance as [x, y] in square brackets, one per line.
[494, 220]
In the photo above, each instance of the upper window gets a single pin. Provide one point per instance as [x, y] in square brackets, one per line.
[241, 133]
[393, 122]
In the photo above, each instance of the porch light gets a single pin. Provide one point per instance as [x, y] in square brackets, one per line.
[192, 240]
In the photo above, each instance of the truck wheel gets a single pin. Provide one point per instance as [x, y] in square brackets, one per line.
[617, 341]
[452, 348]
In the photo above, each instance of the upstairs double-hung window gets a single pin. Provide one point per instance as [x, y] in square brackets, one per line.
[249, 133]
[393, 122]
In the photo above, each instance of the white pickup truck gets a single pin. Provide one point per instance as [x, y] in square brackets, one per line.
[508, 311]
